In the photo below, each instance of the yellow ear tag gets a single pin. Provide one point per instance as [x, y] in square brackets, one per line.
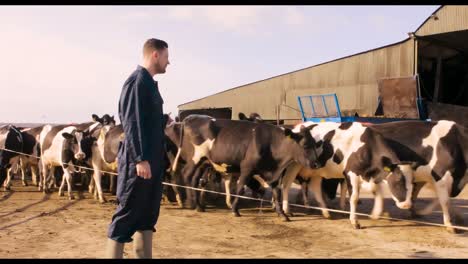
[289, 136]
[387, 169]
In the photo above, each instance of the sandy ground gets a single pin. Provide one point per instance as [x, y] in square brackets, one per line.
[33, 225]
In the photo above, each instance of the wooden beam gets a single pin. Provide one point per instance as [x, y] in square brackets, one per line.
[437, 79]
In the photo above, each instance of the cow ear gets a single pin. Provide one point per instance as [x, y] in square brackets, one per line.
[95, 118]
[67, 135]
[387, 164]
[242, 116]
[290, 134]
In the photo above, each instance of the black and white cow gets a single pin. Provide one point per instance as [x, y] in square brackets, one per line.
[245, 147]
[31, 160]
[356, 153]
[328, 185]
[64, 146]
[10, 139]
[439, 155]
[104, 157]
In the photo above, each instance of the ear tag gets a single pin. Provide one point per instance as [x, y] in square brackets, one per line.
[387, 169]
[289, 136]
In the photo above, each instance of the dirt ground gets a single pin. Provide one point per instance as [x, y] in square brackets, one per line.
[34, 225]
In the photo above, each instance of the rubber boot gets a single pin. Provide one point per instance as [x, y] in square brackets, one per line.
[143, 244]
[114, 249]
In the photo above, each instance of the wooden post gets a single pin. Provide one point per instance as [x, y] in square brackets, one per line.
[437, 79]
[277, 114]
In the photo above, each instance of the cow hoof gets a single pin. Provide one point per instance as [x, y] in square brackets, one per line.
[452, 230]
[25, 183]
[102, 201]
[286, 219]
[200, 209]
[356, 225]
[236, 214]
[60, 194]
[327, 215]
[7, 188]
[71, 198]
[289, 214]
[374, 216]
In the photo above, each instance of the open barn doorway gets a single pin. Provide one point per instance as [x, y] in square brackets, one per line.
[443, 67]
[443, 75]
[222, 112]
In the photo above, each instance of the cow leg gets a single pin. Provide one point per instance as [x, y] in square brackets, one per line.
[378, 201]
[443, 189]
[343, 191]
[187, 173]
[316, 185]
[245, 174]
[227, 187]
[304, 191]
[62, 185]
[288, 178]
[277, 196]
[112, 185]
[97, 179]
[68, 177]
[353, 201]
[91, 185]
[34, 174]
[45, 178]
[199, 172]
[416, 189]
[7, 184]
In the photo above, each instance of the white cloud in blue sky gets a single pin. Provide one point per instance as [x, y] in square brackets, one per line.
[63, 63]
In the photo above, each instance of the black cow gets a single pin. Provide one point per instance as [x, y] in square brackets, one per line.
[244, 147]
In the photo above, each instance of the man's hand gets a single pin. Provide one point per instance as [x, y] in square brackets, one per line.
[143, 169]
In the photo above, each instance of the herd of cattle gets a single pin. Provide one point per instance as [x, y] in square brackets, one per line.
[403, 156]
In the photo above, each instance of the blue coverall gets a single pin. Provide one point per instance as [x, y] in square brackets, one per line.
[141, 115]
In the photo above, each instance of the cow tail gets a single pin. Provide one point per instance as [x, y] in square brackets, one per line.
[179, 147]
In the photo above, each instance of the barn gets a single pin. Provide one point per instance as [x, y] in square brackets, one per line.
[434, 55]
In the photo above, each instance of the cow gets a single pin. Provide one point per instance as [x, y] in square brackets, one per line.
[30, 138]
[438, 151]
[104, 157]
[204, 173]
[11, 142]
[356, 153]
[64, 146]
[328, 185]
[245, 147]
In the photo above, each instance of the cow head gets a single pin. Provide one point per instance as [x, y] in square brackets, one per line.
[254, 117]
[399, 178]
[305, 150]
[73, 145]
[104, 120]
[10, 139]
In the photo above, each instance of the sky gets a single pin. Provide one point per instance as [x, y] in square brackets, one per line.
[61, 64]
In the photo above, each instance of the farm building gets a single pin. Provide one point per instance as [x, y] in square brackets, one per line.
[434, 56]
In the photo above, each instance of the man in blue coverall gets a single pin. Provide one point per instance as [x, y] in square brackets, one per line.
[141, 156]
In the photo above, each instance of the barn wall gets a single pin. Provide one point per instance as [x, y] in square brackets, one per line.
[353, 78]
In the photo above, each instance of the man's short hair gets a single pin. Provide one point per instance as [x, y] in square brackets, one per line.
[153, 44]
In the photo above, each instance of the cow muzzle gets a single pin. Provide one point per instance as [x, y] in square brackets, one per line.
[403, 205]
[80, 156]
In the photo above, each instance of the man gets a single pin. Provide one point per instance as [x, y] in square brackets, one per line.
[140, 157]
